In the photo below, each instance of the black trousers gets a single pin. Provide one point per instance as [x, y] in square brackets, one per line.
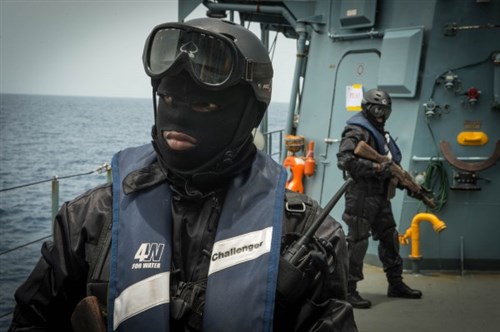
[365, 216]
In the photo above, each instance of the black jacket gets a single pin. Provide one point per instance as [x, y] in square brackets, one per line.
[61, 278]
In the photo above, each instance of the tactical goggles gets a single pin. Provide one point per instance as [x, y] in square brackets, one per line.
[212, 59]
[379, 111]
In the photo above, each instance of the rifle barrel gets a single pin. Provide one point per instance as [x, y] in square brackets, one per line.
[328, 208]
[298, 249]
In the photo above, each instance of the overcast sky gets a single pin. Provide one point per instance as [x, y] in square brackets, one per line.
[93, 48]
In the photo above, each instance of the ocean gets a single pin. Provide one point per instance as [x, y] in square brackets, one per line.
[68, 137]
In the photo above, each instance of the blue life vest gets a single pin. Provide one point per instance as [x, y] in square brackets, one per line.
[383, 145]
[243, 271]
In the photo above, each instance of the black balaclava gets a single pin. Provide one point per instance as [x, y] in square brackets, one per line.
[223, 139]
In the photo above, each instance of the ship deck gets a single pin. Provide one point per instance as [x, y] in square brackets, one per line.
[468, 301]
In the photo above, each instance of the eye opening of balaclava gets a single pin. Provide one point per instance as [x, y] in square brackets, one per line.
[219, 136]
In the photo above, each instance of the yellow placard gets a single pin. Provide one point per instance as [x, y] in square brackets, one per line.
[353, 97]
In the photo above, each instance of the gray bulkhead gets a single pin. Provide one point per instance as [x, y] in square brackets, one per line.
[401, 46]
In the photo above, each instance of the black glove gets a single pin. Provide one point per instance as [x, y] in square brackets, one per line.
[384, 169]
[413, 194]
[424, 192]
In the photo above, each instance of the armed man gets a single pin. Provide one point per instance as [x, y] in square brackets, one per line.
[368, 208]
[196, 232]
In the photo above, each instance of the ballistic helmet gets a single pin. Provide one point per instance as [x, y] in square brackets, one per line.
[377, 103]
[216, 53]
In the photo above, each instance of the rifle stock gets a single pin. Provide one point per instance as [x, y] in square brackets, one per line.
[403, 178]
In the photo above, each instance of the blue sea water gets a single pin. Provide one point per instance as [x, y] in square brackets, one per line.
[46, 136]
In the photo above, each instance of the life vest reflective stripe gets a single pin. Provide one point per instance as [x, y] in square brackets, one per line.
[243, 271]
[383, 146]
[141, 296]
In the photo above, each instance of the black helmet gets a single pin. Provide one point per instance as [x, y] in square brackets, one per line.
[216, 53]
[377, 103]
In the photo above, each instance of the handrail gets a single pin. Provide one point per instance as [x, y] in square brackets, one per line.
[105, 167]
[270, 150]
[55, 196]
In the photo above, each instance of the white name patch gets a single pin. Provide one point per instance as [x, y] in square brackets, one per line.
[239, 249]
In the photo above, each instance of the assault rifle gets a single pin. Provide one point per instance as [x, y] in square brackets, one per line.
[402, 177]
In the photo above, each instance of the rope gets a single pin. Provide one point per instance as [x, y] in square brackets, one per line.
[436, 176]
[99, 170]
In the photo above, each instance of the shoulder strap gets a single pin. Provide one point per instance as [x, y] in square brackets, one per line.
[298, 203]
[98, 275]
[101, 252]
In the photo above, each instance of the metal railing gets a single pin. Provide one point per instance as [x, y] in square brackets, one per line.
[55, 196]
[273, 147]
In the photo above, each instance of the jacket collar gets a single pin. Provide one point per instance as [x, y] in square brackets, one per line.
[143, 178]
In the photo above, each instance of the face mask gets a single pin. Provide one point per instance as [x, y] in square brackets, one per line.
[377, 116]
[378, 111]
[195, 127]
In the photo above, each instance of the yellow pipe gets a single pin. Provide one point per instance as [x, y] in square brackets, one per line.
[413, 232]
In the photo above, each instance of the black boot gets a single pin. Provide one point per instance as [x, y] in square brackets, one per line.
[400, 289]
[357, 301]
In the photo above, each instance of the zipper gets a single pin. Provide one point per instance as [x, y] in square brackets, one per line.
[214, 213]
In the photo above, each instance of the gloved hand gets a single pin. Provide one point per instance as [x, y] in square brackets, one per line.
[384, 169]
[413, 194]
[420, 194]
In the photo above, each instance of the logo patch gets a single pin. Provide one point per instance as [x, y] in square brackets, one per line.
[189, 48]
[148, 256]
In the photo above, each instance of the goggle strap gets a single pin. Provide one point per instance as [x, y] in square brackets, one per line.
[257, 70]
[249, 70]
